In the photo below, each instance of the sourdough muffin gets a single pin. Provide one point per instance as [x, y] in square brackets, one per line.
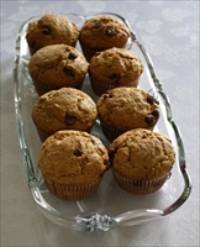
[56, 66]
[72, 164]
[66, 108]
[102, 32]
[115, 67]
[141, 160]
[126, 108]
[49, 30]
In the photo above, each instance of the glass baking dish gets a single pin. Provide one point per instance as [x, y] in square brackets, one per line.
[110, 206]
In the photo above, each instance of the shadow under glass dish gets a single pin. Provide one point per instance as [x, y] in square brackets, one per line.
[110, 206]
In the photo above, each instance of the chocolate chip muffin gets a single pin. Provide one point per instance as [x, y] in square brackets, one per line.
[126, 108]
[66, 108]
[49, 30]
[72, 164]
[56, 66]
[115, 67]
[141, 160]
[102, 32]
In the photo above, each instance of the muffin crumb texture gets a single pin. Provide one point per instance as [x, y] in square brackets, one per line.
[142, 154]
[127, 108]
[49, 30]
[73, 157]
[103, 32]
[57, 66]
[67, 108]
[115, 67]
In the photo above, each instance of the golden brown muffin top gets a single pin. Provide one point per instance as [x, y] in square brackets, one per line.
[115, 66]
[142, 154]
[67, 108]
[73, 157]
[102, 32]
[51, 29]
[127, 108]
[58, 65]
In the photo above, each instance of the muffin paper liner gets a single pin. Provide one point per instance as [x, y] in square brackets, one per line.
[135, 186]
[72, 191]
[44, 88]
[100, 88]
[89, 52]
[110, 132]
[44, 135]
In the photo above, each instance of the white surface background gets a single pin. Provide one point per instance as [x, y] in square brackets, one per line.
[170, 31]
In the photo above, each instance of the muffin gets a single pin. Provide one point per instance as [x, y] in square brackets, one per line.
[66, 108]
[102, 32]
[49, 30]
[72, 164]
[56, 66]
[126, 108]
[141, 160]
[115, 67]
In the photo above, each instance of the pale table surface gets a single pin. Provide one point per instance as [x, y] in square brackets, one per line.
[170, 32]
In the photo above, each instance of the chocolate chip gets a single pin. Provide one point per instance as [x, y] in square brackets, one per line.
[110, 31]
[97, 25]
[69, 119]
[46, 30]
[150, 119]
[77, 152]
[151, 100]
[107, 95]
[69, 71]
[72, 56]
[155, 113]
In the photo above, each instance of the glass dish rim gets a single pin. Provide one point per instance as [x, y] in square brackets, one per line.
[97, 221]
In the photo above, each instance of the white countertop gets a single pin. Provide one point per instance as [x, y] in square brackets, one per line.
[170, 32]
